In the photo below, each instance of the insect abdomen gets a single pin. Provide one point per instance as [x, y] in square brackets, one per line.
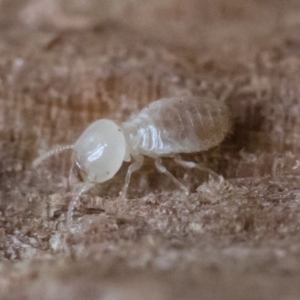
[179, 125]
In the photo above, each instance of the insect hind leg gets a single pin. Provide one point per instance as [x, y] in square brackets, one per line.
[161, 168]
[192, 165]
[136, 165]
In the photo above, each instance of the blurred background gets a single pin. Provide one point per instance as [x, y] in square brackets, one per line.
[66, 63]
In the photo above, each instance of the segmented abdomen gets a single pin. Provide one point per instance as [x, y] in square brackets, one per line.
[178, 125]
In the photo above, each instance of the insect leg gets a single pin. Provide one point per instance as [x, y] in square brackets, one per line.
[137, 164]
[161, 168]
[191, 165]
[75, 199]
[227, 93]
[70, 181]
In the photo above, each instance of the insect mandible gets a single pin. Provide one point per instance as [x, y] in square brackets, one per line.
[166, 128]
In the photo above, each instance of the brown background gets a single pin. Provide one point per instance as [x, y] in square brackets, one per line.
[66, 63]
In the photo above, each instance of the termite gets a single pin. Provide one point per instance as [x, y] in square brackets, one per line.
[166, 128]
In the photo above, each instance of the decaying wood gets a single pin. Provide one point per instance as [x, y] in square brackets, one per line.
[64, 64]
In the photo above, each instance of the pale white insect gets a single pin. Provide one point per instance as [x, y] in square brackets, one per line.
[166, 128]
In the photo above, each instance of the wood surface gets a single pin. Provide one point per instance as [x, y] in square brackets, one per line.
[64, 64]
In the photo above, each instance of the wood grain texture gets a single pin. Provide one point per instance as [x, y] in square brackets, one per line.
[64, 67]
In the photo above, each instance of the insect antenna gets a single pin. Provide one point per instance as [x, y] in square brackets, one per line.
[50, 153]
[75, 199]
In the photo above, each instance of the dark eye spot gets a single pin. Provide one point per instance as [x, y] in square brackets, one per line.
[107, 173]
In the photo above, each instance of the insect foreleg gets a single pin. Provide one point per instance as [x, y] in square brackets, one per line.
[192, 165]
[71, 176]
[161, 168]
[136, 165]
[75, 199]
